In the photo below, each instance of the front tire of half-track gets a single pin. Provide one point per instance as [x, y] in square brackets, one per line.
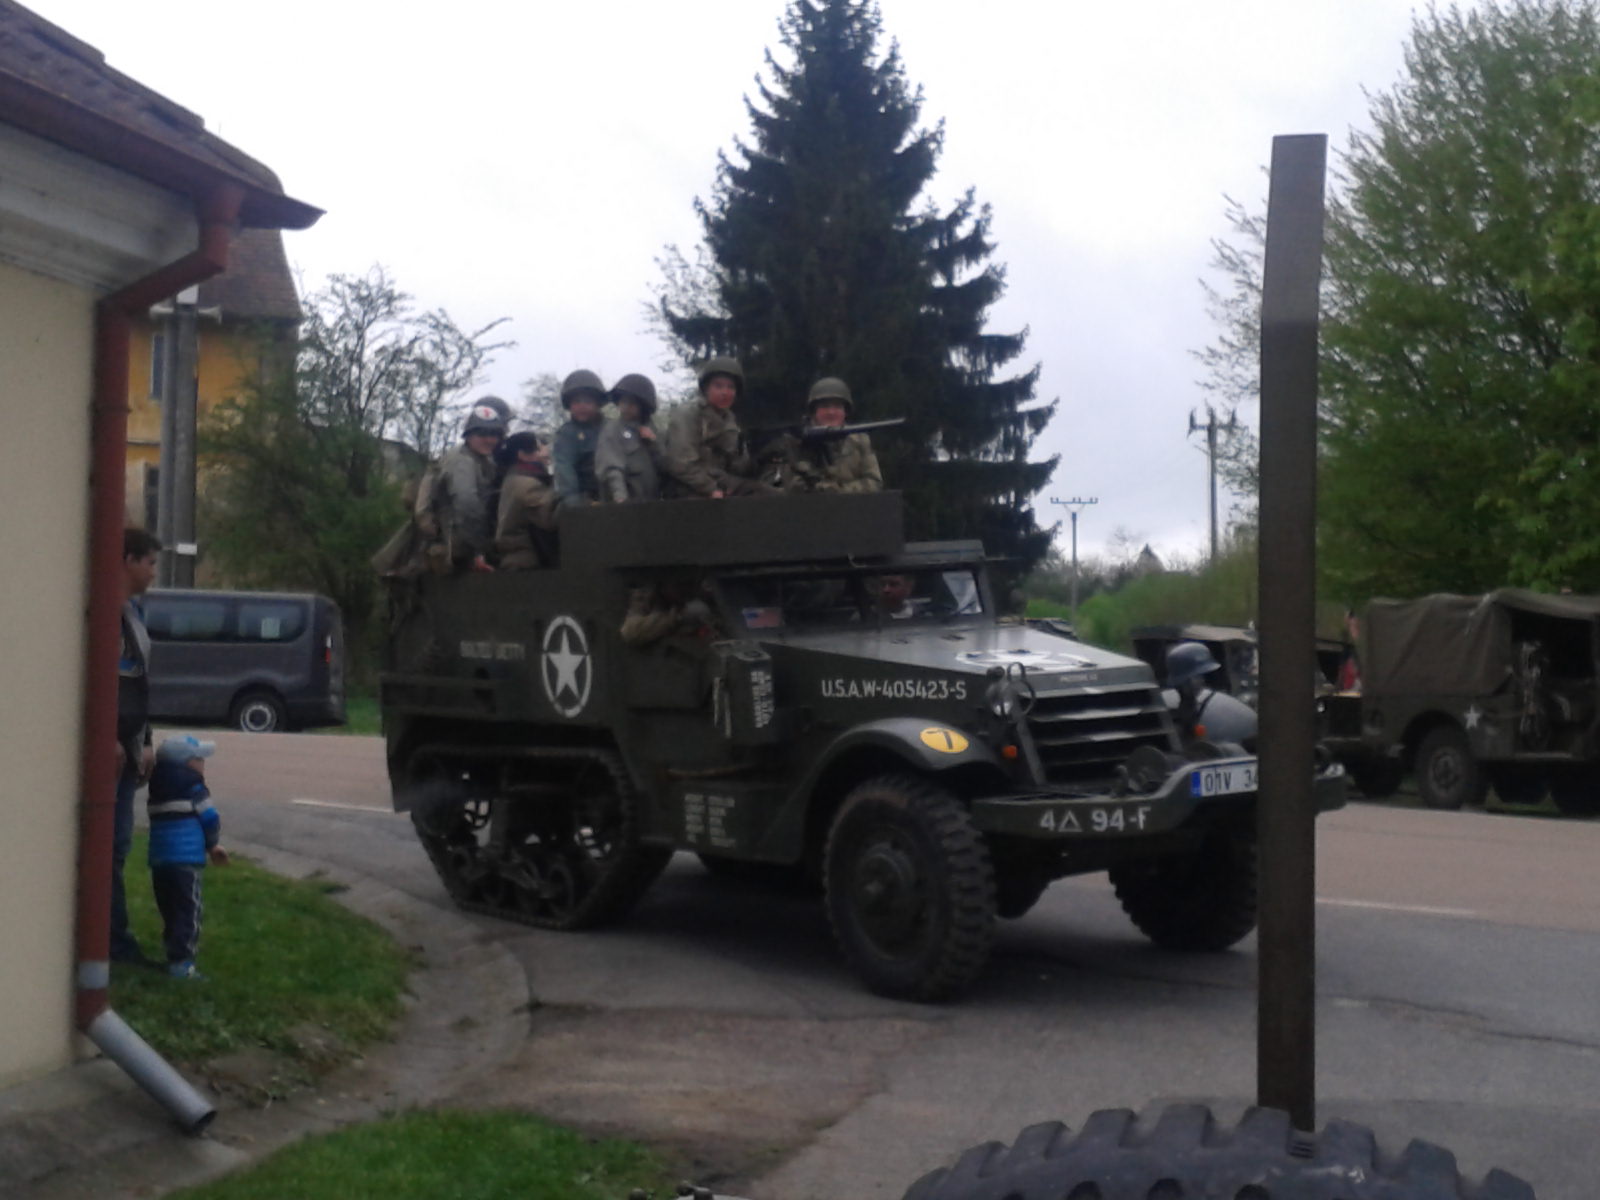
[1201, 901]
[909, 889]
[1184, 1153]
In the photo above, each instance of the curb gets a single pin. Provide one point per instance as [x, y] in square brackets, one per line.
[466, 1013]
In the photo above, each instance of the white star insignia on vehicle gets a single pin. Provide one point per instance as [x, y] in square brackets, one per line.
[567, 671]
[1472, 716]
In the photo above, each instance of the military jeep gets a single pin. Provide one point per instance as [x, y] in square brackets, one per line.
[787, 682]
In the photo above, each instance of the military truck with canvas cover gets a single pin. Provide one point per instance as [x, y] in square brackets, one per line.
[787, 682]
[1472, 691]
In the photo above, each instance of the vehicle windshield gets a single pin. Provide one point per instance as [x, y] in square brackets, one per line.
[846, 599]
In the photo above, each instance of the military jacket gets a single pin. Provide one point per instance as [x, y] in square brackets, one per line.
[846, 465]
[703, 454]
[525, 532]
[626, 464]
[572, 461]
[453, 508]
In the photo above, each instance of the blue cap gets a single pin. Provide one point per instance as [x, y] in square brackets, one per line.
[182, 749]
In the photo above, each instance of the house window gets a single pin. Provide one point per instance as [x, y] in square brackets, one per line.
[158, 365]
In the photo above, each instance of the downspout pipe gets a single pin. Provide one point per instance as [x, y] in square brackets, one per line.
[114, 315]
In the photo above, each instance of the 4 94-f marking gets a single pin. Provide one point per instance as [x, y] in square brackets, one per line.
[1096, 818]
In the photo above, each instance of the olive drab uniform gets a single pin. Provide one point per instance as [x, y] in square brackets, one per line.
[845, 465]
[572, 453]
[453, 515]
[627, 463]
[525, 534]
[450, 519]
[704, 453]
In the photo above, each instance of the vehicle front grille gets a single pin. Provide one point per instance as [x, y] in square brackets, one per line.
[1083, 736]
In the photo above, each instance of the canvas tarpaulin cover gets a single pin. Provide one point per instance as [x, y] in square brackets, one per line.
[1454, 645]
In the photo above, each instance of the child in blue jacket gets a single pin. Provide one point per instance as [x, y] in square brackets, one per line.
[184, 833]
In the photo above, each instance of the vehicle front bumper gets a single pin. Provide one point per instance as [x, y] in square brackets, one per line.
[1179, 802]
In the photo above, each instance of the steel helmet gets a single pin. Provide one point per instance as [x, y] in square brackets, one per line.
[639, 388]
[1188, 660]
[722, 366]
[830, 388]
[488, 414]
[578, 383]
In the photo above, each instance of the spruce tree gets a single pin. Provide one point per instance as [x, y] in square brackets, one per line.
[826, 258]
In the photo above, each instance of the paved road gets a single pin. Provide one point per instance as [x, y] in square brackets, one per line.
[1459, 989]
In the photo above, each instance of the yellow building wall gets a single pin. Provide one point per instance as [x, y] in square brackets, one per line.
[46, 359]
[227, 357]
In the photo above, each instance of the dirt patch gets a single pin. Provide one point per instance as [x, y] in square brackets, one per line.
[730, 1095]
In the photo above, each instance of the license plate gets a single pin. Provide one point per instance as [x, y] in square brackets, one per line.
[1228, 780]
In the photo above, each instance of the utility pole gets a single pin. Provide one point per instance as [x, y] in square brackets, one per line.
[1076, 505]
[1213, 424]
[175, 505]
[1292, 272]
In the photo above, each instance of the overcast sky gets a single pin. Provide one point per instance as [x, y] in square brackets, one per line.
[530, 161]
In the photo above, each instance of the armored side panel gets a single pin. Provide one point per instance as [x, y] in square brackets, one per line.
[712, 533]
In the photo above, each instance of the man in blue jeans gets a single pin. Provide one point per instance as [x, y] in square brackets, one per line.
[135, 757]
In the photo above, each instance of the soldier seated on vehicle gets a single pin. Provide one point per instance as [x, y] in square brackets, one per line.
[572, 457]
[627, 460]
[838, 464]
[525, 532]
[673, 607]
[453, 512]
[703, 455]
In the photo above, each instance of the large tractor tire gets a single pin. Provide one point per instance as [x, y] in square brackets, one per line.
[909, 889]
[1184, 1155]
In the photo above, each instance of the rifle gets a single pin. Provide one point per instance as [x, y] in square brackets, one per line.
[781, 441]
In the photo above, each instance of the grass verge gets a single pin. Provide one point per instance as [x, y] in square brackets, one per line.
[288, 970]
[362, 717]
[426, 1155]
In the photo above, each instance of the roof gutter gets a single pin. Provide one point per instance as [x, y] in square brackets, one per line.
[98, 136]
[219, 214]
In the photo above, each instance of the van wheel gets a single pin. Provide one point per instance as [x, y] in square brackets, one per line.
[1447, 774]
[258, 712]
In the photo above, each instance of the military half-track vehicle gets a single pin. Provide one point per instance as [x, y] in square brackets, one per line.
[788, 682]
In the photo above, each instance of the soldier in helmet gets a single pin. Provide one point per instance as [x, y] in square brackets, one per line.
[572, 457]
[627, 461]
[1199, 711]
[525, 533]
[842, 464]
[703, 455]
[453, 512]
